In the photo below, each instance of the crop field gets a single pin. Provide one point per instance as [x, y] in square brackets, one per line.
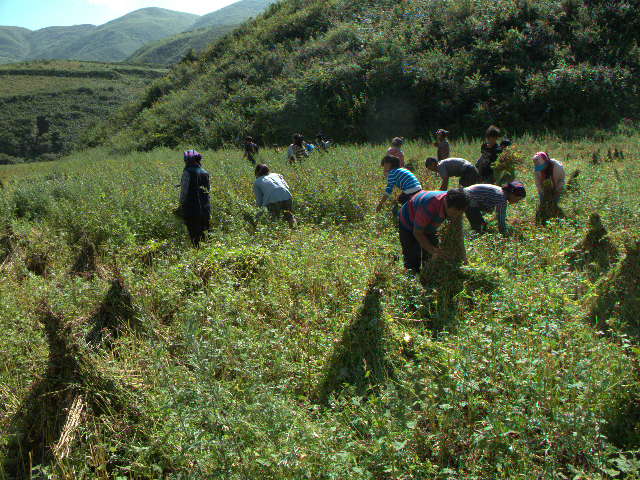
[272, 353]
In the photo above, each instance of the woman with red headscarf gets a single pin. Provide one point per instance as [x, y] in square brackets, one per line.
[548, 173]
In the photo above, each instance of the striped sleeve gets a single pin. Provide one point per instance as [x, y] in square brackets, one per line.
[391, 182]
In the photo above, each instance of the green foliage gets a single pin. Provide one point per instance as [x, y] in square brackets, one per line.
[372, 70]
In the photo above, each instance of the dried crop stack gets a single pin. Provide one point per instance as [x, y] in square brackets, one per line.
[618, 294]
[86, 262]
[595, 251]
[548, 208]
[72, 393]
[504, 169]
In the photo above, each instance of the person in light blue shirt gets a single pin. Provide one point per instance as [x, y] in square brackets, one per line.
[398, 177]
[272, 192]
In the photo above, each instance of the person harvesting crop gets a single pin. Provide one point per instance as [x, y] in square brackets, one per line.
[420, 218]
[487, 198]
[442, 145]
[398, 177]
[250, 150]
[272, 192]
[394, 150]
[194, 197]
[453, 167]
[549, 176]
[489, 152]
[297, 151]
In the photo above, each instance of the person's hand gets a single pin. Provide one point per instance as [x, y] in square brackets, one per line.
[378, 208]
[438, 252]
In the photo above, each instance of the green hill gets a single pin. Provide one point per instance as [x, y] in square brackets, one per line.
[208, 28]
[170, 50]
[46, 105]
[13, 44]
[111, 42]
[370, 70]
[233, 14]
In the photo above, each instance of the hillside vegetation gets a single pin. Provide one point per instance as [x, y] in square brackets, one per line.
[46, 106]
[208, 28]
[371, 70]
[278, 354]
[114, 41]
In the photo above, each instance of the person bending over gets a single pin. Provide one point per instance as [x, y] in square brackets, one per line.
[272, 192]
[485, 198]
[548, 174]
[398, 177]
[453, 167]
[420, 219]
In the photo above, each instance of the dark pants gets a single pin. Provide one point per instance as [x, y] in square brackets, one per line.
[405, 197]
[196, 227]
[283, 206]
[412, 252]
[477, 223]
[469, 177]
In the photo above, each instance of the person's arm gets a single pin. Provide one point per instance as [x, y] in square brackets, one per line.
[501, 217]
[184, 187]
[245, 153]
[258, 194]
[381, 202]
[464, 249]
[426, 244]
[445, 184]
[537, 177]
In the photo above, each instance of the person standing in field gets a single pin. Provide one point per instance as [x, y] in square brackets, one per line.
[420, 218]
[194, 197]
[272, 192]
[485, 198]
[549, 175]
[489, 152]
[442, 145]
[453, 167]
[250, 150]
[398, 177]
[296, 151]
[394, 150]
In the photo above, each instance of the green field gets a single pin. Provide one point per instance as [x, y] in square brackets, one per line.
[271, 353]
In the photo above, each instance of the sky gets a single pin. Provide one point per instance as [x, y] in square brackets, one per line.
[37, 14]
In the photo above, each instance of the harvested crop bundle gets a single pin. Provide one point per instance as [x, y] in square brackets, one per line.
[548, 208]
[618, 294]
[595, 251]
[504, 170]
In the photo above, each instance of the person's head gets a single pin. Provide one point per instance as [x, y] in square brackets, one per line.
[492, 135]
[248, 139]
[431, 163]
[540, 161]
[514, 191]
[389, 162]
[441, 134]
[297, 139]
[191, 157]
[397, 142]
[505, 143]
[261, 170]
[455, 202]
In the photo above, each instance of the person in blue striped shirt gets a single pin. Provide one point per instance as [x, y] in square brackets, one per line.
[398, 177]
[487, 198]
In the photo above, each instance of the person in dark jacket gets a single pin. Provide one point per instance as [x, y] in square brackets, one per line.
[194, 197]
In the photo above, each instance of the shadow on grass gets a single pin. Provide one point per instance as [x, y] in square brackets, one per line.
[360, 358]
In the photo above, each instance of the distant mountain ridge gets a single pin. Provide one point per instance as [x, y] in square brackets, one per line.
[118, 39]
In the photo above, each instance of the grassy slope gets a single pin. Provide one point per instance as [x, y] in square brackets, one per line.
[237, 337]
[52, 42]
[13, 44]
[233, 14]
[68, 95]
[373, 70]
[169, 51]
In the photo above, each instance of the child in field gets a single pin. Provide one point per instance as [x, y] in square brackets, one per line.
[420, 218]
[549, 173]
[250, 150]
[394, 150]
[271, 191]
[487, 198]
[296, 151]
[442, 145]
[323, 145]
[194, 197]
[398, 177]
[489, 152]
[453, 167]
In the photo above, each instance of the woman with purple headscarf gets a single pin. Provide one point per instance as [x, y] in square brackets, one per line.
[194, 197]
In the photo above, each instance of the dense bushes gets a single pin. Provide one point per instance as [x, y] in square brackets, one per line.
[345, 66]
